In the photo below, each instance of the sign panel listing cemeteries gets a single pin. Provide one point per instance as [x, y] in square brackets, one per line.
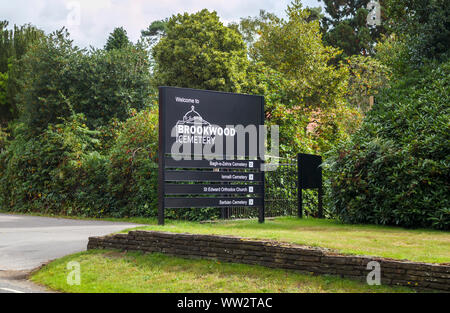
[209, 150]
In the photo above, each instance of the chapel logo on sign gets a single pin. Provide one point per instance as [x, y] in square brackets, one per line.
[194, 129]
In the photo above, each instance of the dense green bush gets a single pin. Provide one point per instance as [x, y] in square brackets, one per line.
[133, 168]
[424, 25]
[395, 169]
[46, 173]
[42, 98]
[3, 139]
[110, 84]
[61, 170]
[14, 43]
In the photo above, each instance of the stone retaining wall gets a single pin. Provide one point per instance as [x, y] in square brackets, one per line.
[278, 255]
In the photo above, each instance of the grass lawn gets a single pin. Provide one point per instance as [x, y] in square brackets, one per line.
[112, 271]
[419, 245]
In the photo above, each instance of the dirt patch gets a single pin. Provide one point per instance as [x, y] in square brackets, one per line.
[115, 254]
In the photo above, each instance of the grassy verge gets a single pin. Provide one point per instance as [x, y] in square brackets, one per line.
[419, 245]
[112, 271]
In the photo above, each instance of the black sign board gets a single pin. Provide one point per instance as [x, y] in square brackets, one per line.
[310, 172]
[204, 202]
[229, 164]
[205, 118]
[212, 176]
[309, 177]
[208, 189]
[209, 150]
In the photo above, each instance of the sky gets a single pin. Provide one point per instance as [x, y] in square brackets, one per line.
[90, 21]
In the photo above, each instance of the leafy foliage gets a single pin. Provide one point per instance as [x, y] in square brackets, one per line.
[14, 43]
[367, 77]
[133, 167]
[347, 29]
[392, 52]
[61, 170]
[101, 84]
[305, 94]
[45, 173]
[110, 84]
[155, 31]
[395, 169]
[3, 139]
[252, 27]
[198, 51]
[42, 98]
[426, 30]
[55, 162]
[295, 49]
[4, 109]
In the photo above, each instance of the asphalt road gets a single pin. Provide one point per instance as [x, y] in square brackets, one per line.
[27, 242]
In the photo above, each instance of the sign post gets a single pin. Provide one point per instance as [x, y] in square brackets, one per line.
[210, 150]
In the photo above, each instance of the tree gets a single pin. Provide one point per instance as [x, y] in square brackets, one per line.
[14, 43]
[109, 84]
[294, 48]
[198, 51]
[59, 78]
[346, 27]
[252, 27]
[132, 171]
[118, 39]
[155, 31]
[42, 98]
[305, 93]
[426, 31]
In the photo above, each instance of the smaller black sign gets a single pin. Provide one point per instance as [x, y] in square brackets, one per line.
[204, 189]
[212, 176]
[310, 172]
[211, 202]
